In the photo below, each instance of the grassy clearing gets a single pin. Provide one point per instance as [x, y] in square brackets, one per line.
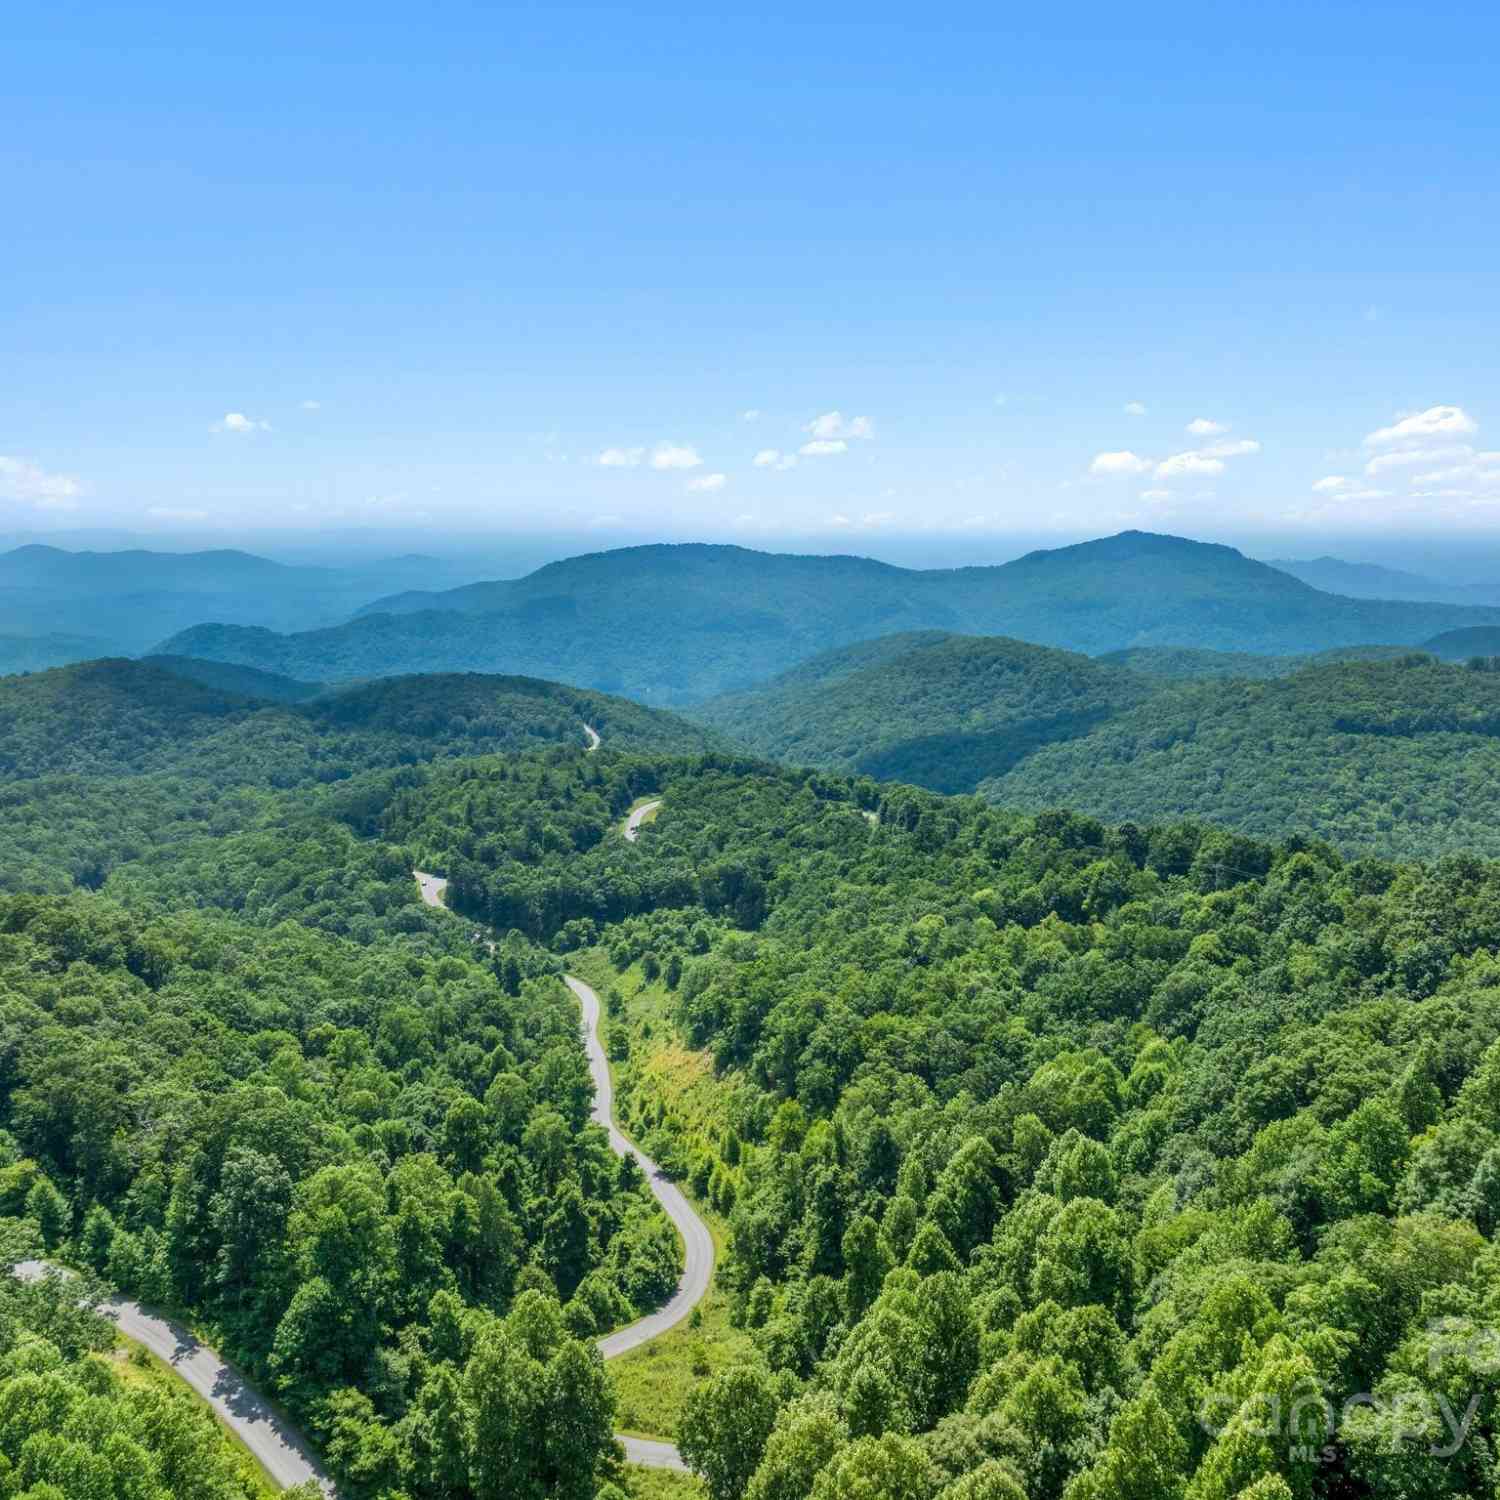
[661, 1484]
[137, 1366]
[665, 1080]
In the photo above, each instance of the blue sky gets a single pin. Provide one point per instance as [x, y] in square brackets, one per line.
[424, 267]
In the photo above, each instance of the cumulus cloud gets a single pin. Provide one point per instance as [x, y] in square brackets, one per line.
[1203, 427]
[20, 479]
[1481, 469]
[1235, 448]
[1410, 458]
[833, 425]
[1331, 484]
[774, 458]
[707, 483]
[238, 422]
[675, 456]
[1180, 465]
[823, 447]
[620, 458]
[312, 406]
[1135, 408]
[1121, 462]
[750, 415]
[1419, 427]
[1156, 494]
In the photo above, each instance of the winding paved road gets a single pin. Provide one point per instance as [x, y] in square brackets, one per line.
[697, 1242]
[277, 1445]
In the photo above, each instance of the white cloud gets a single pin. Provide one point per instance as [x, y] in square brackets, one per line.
[833, 424]
[1203, 427]
[1234, 448]
[752, 415]
[1156, 494]
[20, 479]
[674, 456]
[1001, 399]
[1181, 464]
[238, 422]
[1435, 422]
[1331, 484]
[621, 458]
[312, 406]
[774, 458]
[707, 483]
[823, 447]
[1135, 408]
[175, 513]
[1407, 458]
[1482, 468]
[1122, 462]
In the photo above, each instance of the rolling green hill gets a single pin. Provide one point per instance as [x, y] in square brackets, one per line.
[678, 624]
[249, 682]
[1398, 757]
[942, 711]
[1460, 645]
[1190, 664]
[119, 717]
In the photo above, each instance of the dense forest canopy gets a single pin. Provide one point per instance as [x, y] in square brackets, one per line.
[103, 762]
[678, 624]
[1398, 758]
[364, 1166]
[1377, 749]
[1060, 1154]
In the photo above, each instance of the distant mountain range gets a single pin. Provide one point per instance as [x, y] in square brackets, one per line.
[679, 624]
[1371, 581]
[124, 602]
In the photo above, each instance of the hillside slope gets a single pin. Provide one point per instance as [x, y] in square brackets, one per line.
[677, 624]
[943, 712]
[1400, 758]
[119, 717]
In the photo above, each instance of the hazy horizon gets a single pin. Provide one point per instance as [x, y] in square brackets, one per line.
[1453, 560]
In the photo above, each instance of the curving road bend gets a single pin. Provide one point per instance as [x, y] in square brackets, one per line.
[276, 1444]
[698, 1243]
[639, 816]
